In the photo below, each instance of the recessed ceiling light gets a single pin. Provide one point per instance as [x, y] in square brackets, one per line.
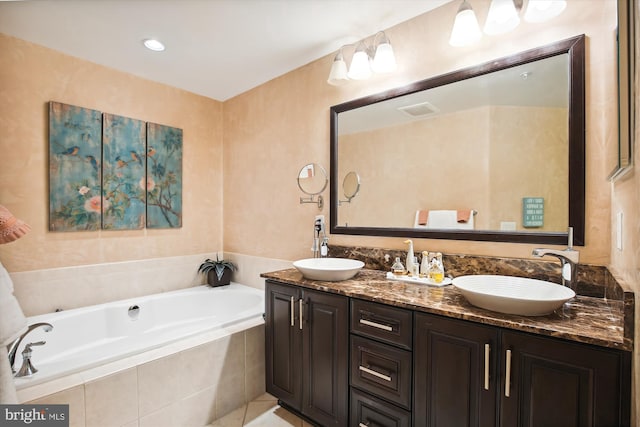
[154, 45]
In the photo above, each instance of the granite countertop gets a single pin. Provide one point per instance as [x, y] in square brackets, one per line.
[585, 319]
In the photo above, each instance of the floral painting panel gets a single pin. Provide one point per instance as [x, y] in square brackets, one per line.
[123, 173]
[164, 176]
[75, 135]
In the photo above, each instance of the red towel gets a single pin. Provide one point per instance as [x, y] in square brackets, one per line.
[464, 215]
[423, 216]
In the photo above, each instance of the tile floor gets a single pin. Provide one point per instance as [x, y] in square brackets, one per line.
[261, 412]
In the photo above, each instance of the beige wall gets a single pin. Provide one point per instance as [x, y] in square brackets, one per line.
[271, 131]
[30, 77]
[625, 198]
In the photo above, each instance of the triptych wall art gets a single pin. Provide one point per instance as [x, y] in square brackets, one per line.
[112, 172]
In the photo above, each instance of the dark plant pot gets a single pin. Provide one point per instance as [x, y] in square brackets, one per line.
[212, 278]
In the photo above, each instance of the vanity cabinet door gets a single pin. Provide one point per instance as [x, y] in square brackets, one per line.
[455, 372]
[283, 342]
[557, 383]
[307, 352]
[325, 355]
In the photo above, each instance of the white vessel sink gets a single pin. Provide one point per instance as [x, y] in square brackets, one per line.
[328, 269]
[513, 295]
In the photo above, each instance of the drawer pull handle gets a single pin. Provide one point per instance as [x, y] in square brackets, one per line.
[507, 379]
[487, 350]
[375, 374]
[300, 301]
[376, 325]
[293, 308]
[363, 425]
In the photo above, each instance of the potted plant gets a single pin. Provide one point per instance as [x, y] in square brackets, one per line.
[218, 272]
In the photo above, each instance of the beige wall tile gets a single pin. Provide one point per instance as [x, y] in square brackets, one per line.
[231, 388]
[74, 397]
[197, 369]
[113, 400]
[255, 363]
[159, 383]
[199, 409]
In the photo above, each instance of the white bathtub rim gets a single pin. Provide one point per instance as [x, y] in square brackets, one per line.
[28, 392]
[35, 387]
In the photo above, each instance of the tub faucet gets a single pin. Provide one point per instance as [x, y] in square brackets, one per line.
[27, 368]
[13, 347]
[569, 259]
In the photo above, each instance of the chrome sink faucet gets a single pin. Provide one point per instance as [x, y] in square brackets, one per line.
[13, 347]
[320, 246]
[569, 259]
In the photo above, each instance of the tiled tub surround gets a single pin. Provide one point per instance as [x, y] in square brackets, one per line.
[177, 366]
[596, 282]
[189, 383]
[592, 320]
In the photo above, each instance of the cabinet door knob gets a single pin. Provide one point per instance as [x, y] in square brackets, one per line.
[507, 375]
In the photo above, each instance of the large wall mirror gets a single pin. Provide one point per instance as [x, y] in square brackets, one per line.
[503, 142]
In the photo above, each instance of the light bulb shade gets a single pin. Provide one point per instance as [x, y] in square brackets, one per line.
[384, 60]
[465, 27]
[338, 74]
[543, 10]
[360, 68]
[502, 17]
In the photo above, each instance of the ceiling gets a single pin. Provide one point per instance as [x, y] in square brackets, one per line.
[215, 48]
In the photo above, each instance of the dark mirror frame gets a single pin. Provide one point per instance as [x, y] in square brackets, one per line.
[575, 48]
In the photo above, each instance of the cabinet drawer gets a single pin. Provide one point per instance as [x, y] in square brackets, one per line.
[382, 370]
[367, 410]
[382, 322]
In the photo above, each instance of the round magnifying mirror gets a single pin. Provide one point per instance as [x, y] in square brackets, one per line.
[351, 185]
[312, 179]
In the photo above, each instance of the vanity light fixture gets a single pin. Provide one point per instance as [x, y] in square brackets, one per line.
[465, 27]
[365, 61]
[503, 16]
[153, 44]
[360, 69]
[338, 75]
[542, 10]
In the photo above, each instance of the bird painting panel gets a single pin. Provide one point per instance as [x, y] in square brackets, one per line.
[164, 176]
[75, 137]
[123, 173]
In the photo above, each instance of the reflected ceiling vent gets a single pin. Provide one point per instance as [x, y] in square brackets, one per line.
[420, 110]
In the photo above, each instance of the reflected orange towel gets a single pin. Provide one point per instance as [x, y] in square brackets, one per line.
[423, 216]
[464, 215]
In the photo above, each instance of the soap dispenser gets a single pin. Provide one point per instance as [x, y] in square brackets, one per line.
[410, 256]
[424, 267]
[397, 268]
[437, 269]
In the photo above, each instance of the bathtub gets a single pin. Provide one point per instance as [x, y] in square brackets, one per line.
[106, 338]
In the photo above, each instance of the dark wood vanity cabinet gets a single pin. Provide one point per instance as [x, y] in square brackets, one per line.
[343, 361]
[454, 372]
[467, 374]
[307, 351]
[381, 373]
[560, 383]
